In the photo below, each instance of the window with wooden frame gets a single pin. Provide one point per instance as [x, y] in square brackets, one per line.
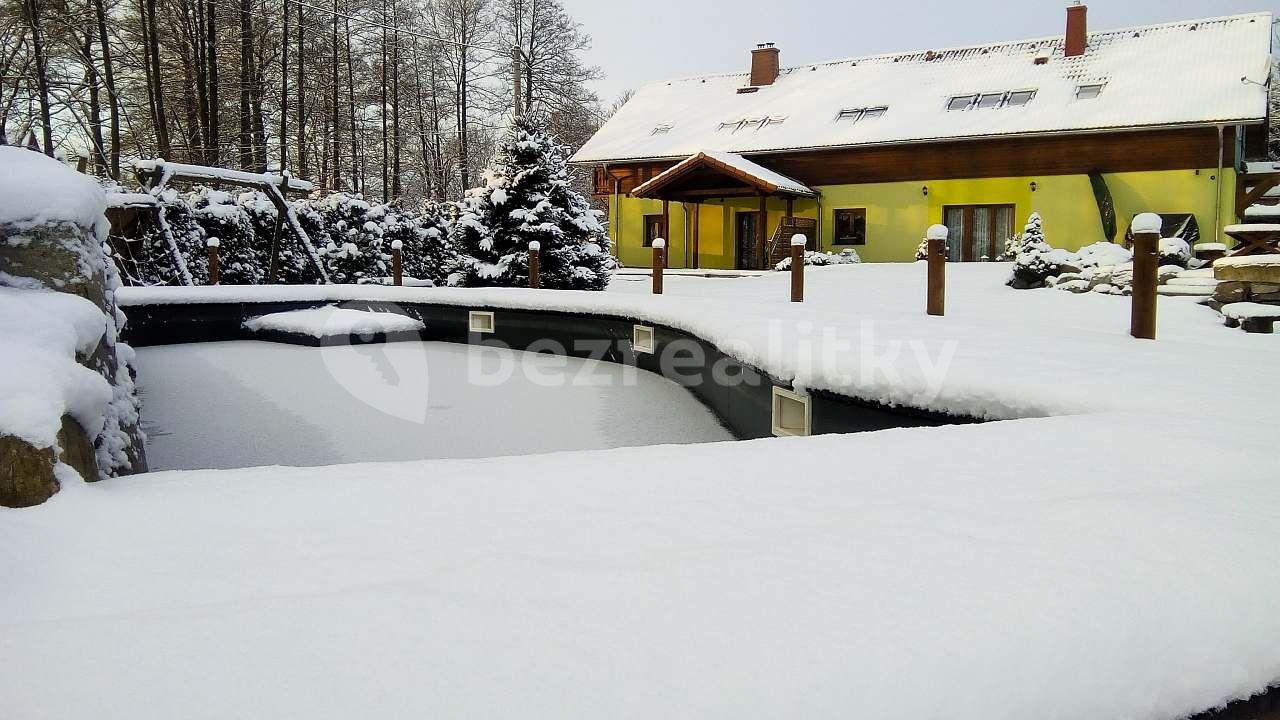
[977, 232]
[851, 226]
[652, 229]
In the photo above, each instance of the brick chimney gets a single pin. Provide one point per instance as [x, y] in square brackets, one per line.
[764, 65]
[1077, 30]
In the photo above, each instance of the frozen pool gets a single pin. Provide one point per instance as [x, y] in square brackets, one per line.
[244, 404]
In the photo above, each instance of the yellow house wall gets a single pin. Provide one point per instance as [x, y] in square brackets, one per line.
[899, 212]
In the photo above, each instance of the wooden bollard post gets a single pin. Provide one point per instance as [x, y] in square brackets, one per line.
[936, 237]
[1146, 261]
[659, 260]
[797, 267]
[397, 262]
[215, 272]
[535, 264]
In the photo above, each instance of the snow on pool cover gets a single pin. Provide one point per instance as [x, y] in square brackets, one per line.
[241, 404]
[1121, 559]
[332, 321]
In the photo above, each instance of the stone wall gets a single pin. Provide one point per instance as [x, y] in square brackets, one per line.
[66, 256]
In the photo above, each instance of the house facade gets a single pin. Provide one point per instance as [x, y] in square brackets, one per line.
[1088, 129]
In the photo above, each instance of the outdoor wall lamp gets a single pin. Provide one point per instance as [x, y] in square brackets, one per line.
[925, 190]
[1034, 186]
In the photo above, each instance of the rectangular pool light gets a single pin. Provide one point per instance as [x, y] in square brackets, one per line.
[480, 321]
[791, 413]
[642, 339]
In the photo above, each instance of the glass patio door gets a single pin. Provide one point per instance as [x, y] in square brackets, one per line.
[977, 232]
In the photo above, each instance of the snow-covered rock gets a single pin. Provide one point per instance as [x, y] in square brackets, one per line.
[844, 257]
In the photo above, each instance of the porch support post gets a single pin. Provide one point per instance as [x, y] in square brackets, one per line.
[697, 261]
[761, 231]
[666, 229]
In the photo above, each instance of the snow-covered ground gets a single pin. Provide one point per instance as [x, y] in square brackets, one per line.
[241, 404]
[1118, 556]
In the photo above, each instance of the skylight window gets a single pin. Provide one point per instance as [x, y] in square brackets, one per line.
[991, 101]
[987, 101]
[662, 129]
[1018, 98]
[1089, 92]
[756, 123]
[853, 115]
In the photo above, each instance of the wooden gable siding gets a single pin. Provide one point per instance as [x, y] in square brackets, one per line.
[1180, 149]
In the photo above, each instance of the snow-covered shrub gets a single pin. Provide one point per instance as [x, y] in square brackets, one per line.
[155, 254]
[242, 256]
[355, 237]
[528, 195]
[1037, 260]
[1012, 246]
[350, 244]
[922, 250]
[847, 256]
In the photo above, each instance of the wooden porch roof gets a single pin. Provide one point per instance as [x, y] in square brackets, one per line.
[712, 174]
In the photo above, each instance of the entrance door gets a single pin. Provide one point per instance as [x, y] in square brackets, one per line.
[977, 232]
[745, 224]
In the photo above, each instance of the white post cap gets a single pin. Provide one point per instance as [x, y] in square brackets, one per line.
[936, 232]
[535, 246]
[1147, 223]
[659, 243]
[799, 240]
[213, 242]
[397, 244]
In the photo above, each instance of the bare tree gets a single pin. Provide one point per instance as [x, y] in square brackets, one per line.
[34, 23]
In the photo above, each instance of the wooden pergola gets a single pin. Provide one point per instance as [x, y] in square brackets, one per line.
[709, 174]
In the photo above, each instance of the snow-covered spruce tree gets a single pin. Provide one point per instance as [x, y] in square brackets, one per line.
[427, 253]
[1036, 260]
[527, 196]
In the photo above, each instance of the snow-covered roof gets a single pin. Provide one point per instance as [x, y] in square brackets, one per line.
[1181, 73]
[732, 164]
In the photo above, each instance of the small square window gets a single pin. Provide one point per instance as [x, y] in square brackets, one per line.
[1018, 98]
[1089, 92]
[873, 113]
[990, 100]
[961, 102]
[851, 226]
[849, 115]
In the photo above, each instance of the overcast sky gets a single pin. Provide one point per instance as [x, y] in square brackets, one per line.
[636, 42]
